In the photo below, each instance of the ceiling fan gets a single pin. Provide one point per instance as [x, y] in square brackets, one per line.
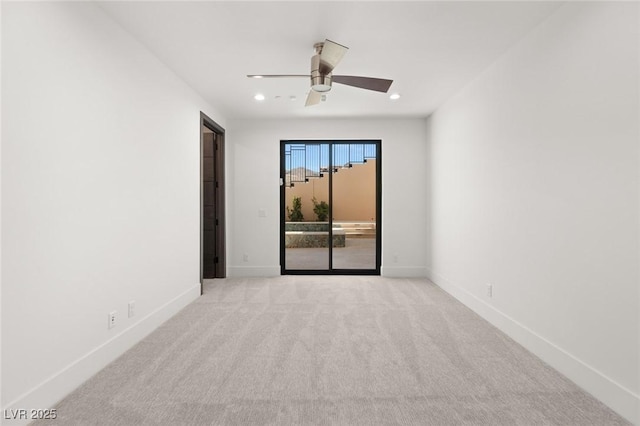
[328, 55]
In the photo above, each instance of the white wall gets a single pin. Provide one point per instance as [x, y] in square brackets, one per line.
[253, 184]
[534, 189]
[100, 196]
[1, 210]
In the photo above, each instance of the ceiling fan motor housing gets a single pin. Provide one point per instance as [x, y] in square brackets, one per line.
[320, 82]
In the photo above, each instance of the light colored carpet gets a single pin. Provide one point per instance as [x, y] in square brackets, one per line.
[329, 350]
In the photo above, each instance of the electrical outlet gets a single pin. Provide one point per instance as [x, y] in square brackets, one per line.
[489, 290]
[112, 319]
[395, 258]
[262, 213]
[245, 257]
[132, 308]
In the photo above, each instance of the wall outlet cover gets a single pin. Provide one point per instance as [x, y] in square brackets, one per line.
[112, 319]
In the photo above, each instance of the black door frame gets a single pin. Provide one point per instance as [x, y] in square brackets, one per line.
[331, 270]
[219, 199]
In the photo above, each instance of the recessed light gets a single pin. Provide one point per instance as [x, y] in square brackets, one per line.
[255, 76]
[292, 98]
[259, 97]
[394, 96]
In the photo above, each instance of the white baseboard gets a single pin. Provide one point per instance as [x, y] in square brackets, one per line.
[253, 271]
[273, 271]
[403, 271]
[617, 397]
[51, 391]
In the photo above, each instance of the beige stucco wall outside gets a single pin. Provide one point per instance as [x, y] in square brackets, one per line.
[354, 193]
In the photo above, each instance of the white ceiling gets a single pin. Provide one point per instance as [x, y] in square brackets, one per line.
[430, 49]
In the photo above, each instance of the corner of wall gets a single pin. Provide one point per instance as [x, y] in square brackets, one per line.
[616, 396]
[403, 271]
[47, 393]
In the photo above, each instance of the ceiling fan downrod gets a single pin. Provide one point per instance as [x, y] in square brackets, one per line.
[320, 81]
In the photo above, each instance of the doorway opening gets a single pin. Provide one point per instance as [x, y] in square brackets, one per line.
[330, 207]
[212, 201]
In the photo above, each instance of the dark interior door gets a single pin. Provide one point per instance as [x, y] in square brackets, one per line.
[209, 205]
[212, 200]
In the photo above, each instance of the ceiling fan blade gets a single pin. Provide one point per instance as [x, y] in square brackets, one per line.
[313, 98]
[277, 75]
[369, 83]
[331, 54]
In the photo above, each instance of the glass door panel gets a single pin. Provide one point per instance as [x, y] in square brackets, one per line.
[306, 192]
[354, 189]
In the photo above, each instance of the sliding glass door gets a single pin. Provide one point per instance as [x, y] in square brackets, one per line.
[330, 207]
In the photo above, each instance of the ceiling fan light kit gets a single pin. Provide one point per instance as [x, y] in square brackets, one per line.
[328, 55]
